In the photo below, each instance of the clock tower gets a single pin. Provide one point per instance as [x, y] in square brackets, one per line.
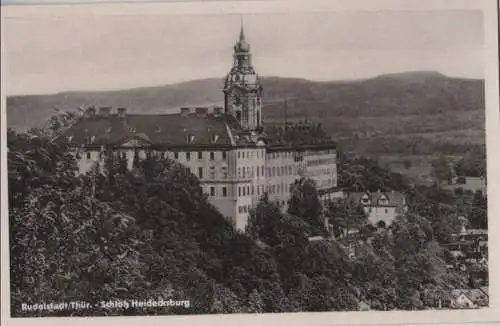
[242, 89]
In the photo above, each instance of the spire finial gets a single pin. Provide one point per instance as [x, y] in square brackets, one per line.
[242, 33]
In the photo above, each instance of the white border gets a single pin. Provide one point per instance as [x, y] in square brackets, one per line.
[489, 9]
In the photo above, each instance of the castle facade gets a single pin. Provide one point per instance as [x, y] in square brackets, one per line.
[236, 156]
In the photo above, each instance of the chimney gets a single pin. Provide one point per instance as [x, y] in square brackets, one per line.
[104, 111]
[185, 112]
[202, 112]
[122, 112]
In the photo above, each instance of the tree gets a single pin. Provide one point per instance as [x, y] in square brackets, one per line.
[441, 170]
[345, 215]
[304, 202]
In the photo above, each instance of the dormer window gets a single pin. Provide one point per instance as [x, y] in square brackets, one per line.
[215, 137]
[70, 138]
[383, 200]
[190, 138]
[365, 200]
[92, 139]
[108, 130]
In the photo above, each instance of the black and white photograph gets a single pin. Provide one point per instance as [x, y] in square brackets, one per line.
[164, 163]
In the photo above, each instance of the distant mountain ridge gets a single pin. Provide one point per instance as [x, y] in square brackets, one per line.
[391, 104]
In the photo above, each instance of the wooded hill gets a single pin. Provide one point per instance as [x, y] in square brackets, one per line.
[386, 114]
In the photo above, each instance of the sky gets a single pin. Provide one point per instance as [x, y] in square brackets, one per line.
[47, 54]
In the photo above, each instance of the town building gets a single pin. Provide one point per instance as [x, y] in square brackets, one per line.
[236, 156]
[381, 207]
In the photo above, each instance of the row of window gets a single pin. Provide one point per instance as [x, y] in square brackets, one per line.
[280, 171]
[244, 172]
[385, 210]
[321, 161]
[260, 189]
[248, 172]
[276, 155]
[212, 191]
[188, 156]
[251, 154]
[199, 155]
[211, 172]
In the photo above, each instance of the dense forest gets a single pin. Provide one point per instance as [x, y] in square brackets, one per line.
[151, 233]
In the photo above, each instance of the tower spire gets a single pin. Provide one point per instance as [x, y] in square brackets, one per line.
[242, 32]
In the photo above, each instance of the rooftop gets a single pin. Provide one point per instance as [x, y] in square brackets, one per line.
[394, 198]
[191, 127]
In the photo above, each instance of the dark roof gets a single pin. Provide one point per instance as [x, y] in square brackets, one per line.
[164, 130]
[297, 135]
[394, 198]
[189, 130]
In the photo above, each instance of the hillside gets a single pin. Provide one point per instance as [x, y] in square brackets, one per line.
[367, 115]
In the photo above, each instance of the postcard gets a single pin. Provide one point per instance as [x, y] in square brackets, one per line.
[275, 162]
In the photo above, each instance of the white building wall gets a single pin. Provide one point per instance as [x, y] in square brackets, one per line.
[376, 214]
[281, 173]
[321, 166]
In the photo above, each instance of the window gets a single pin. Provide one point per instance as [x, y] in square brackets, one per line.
[262, 170]
[200, 173]
[188, 170]
[258, 172]
[224, 192]
[188, 156]
[176, 155]
[240, 209]
[239, 191]
[212, 191]
[212, 156]
[244, 191]
[162, 155]
[386, 211]
[239, 154]
[224, 155]
[253, 190]
[200, 155]
[89, 155]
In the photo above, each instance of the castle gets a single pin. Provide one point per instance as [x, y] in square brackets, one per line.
[236, 156]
